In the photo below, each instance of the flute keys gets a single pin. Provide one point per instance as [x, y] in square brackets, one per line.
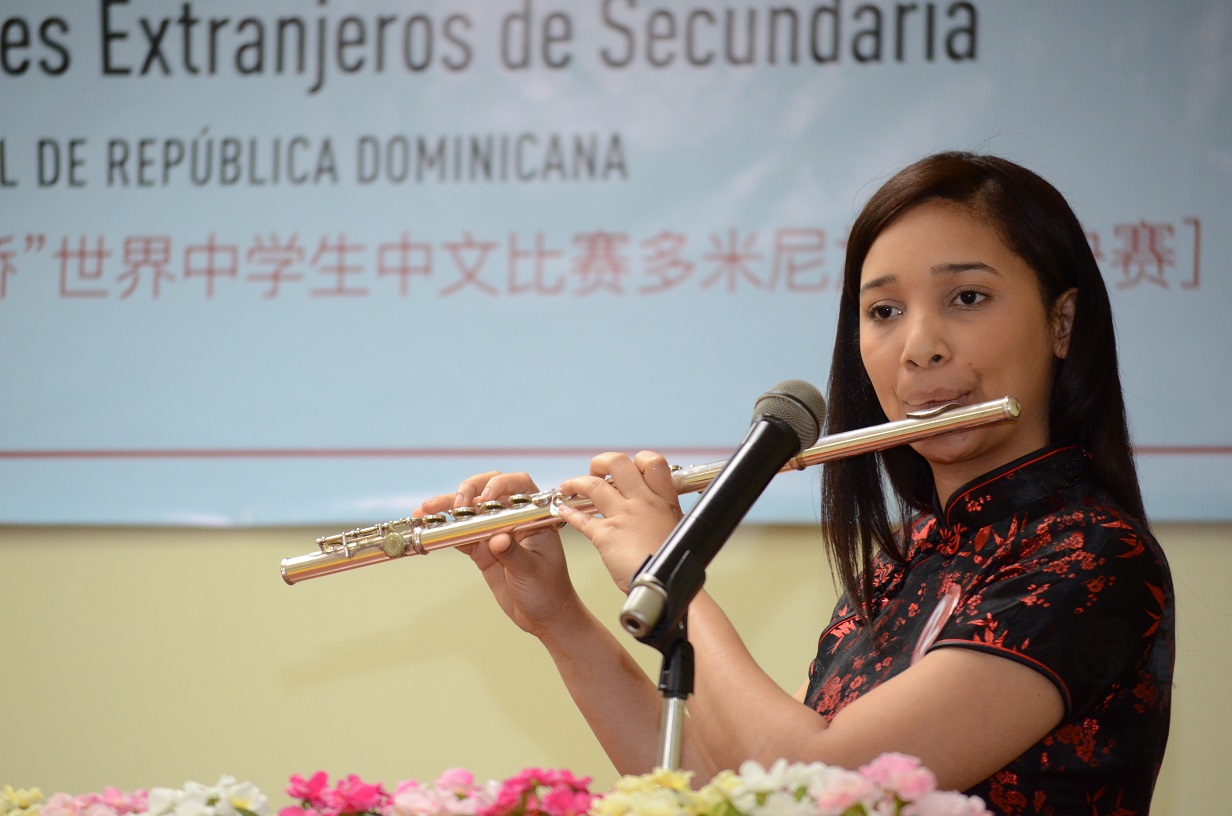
[434, 520]
[393, 544]
[460, 513]
[520, 499]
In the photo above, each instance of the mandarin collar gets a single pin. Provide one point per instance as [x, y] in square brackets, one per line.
[1001, 492]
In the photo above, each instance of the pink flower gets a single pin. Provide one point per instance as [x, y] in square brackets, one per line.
[119, 802]
[514, 795]
[60, 804]
[410, 799]
[456, 780]
[407, 786]
[844, 790]
[566, 802]
[353, 795]
[946, 803]
[901, 775]
[310, 791]
[454, 794]
[111, 802]
[539, 792]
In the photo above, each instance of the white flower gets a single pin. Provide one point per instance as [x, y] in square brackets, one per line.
[234, 796]
[785, 803]
[192, 802]
[781, 790]
[224, 799]
[161, 801]
[784, 776]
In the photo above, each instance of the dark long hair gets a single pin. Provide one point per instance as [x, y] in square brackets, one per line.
[1087, 407]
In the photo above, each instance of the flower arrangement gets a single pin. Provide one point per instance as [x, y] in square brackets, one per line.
[227, 798]
[891, 785]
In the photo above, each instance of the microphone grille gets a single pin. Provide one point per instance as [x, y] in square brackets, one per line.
[797, 404]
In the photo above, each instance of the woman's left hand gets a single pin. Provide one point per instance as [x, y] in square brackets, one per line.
[639, 507]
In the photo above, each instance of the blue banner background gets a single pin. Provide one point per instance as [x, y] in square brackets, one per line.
[438, 318]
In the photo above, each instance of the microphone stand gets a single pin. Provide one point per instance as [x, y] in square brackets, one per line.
[656, 610]
[786, 419]
[670, 637]
[675, 684]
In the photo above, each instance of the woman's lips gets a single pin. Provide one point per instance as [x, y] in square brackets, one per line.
[925, 402]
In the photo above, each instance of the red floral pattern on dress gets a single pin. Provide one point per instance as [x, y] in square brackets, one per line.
[1053, 575]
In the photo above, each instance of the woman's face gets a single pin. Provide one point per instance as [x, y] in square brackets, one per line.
[950, 314]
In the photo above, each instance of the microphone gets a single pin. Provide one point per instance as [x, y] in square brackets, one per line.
[787, 419]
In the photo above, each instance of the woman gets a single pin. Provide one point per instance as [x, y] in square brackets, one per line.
[1014, 630]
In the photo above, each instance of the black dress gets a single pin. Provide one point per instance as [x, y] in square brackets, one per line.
[1032, 562]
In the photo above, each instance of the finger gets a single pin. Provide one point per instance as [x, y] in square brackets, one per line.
[501, 487]
[472, 487]
[462, 497]
[479, 553]
[436, 504]
[489, 566]
[624, 473]
[584, 523]
[658, 474]
[515, 560]
[480, 487]
[500, 546]
[603, 495]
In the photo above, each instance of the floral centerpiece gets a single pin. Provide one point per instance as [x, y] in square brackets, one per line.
[227, 798]
[891, 785]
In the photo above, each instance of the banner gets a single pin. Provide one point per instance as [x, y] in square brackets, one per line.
[313, 261]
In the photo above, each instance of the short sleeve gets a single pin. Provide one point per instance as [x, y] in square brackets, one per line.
[1079, 599]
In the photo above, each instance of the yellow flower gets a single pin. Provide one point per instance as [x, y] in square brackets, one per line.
[20, 801]
[661, 778]
[714, 798]
[660, 793]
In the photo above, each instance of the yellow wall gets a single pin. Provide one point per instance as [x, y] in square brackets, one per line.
[142, 657]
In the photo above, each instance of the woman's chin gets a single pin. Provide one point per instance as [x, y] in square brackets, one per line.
[980, 450]
[951, 449]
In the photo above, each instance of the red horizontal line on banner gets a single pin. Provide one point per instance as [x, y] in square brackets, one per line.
[428, 453]
[323, 453]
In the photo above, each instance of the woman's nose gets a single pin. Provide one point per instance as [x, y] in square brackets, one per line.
[925, 344]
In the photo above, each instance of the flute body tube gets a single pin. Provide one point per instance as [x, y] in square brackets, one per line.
[392, 540]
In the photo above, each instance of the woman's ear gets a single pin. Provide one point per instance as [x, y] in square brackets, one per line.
[1063, 322]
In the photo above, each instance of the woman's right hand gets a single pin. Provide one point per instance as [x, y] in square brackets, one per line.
[525, 571]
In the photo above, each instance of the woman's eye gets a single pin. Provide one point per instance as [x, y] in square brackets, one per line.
[970, 297]
[882, 312]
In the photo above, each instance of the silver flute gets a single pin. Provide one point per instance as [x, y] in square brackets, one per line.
[391, 540]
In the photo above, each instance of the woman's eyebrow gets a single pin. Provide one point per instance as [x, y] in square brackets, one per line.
[967, 266]
[884, 280]
[939, 269]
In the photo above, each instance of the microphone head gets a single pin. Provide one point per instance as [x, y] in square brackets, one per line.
[796, 404]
